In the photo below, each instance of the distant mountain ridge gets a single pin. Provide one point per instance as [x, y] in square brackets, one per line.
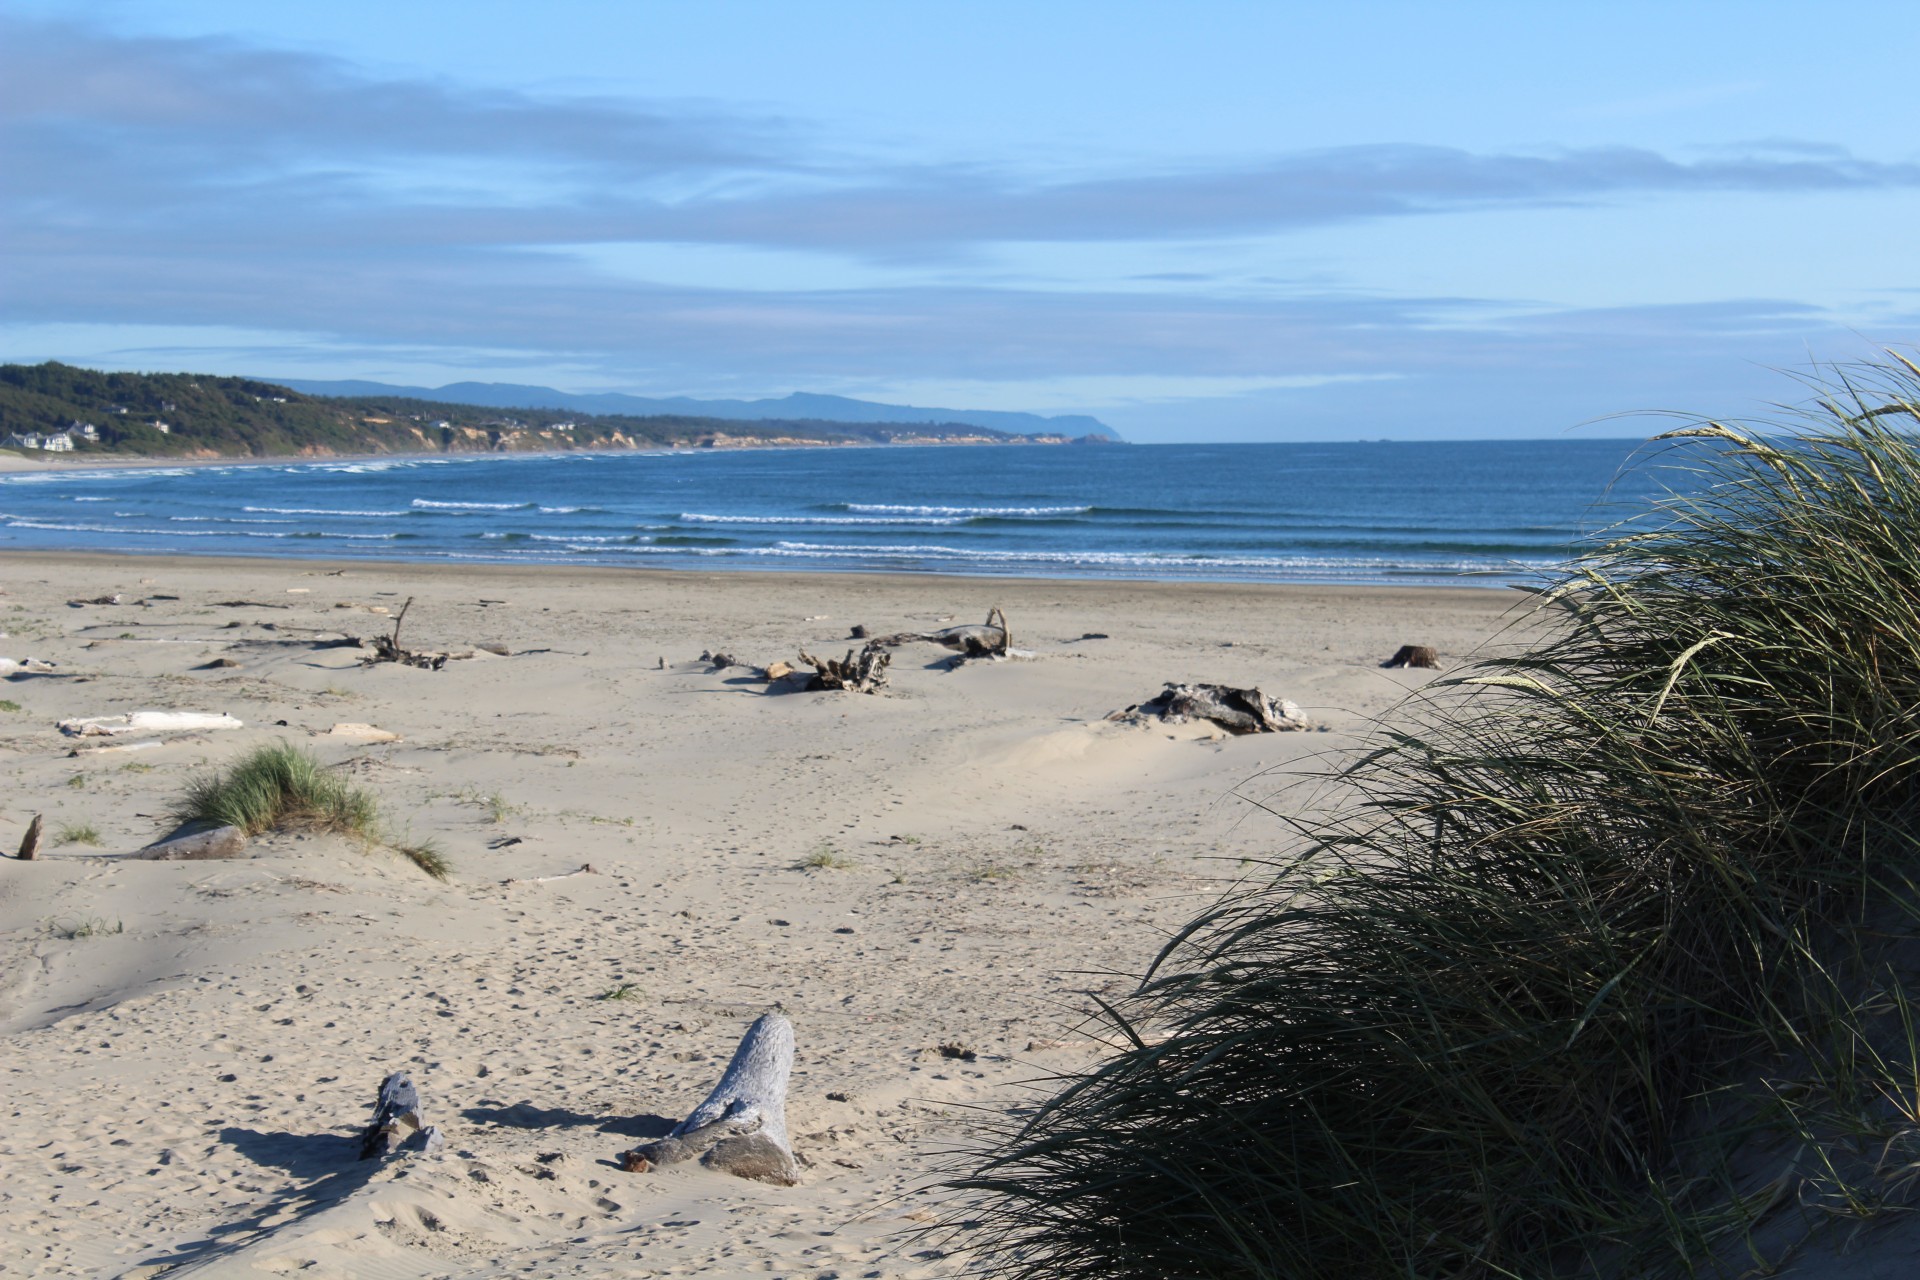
[797, 405]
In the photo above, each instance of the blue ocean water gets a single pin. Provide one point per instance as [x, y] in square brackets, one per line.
[1362, 513]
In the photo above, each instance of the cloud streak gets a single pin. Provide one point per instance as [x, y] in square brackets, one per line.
[102, 135]
[206, 183]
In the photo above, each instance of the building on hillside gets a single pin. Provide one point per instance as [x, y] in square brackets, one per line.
[50, 441]
[85, 430]
[161, 427]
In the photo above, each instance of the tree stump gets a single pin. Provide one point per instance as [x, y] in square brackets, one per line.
[397, 1107]
[741, 1128]
[1413, 655]
[863, 673]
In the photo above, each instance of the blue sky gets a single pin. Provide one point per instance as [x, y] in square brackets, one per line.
[1206, 222]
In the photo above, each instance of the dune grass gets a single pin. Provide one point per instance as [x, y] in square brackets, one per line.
[279, 787]
[77, 833]
[1606, 970]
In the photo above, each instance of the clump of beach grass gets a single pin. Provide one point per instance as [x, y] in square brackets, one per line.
[77, 833]
[279, 787]
[1606, 970]
[424, 854]
[826, 858]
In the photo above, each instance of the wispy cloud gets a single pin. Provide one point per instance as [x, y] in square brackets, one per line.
[212, 186]
[192, 143]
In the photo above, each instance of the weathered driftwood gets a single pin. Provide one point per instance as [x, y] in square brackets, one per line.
[147, 722]
[387, 648]
[1413, 655]
[120, 747]
[863, 672]
[741, 1128]
[989, 639]
[1235, 710]
[354, 731]
[397, 1108]
[586, 869]
[77, 604]
[30, 842]
[195, 842]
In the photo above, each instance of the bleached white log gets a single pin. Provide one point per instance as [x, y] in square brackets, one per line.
[146, 722]
[116, 749]
[586, 869]
[741, 1128]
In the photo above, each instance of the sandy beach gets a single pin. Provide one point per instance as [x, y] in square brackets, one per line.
[191, 1048]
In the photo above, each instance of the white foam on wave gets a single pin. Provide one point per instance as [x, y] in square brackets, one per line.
[429, 505]
[889, 508]
[321, 511]
[224, 519]
[185, 533]
[697, 517]
[1133, 559]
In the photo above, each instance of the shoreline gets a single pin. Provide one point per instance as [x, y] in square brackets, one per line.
[552, 573]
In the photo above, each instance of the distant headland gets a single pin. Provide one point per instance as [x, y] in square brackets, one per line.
[54, 409]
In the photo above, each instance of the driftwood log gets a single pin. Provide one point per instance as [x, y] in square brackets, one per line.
[1413, 655]
[741, 1128]
[989, 639]
[30, 842]
[396, 1108]
[1235, 710]
[864, 672]
[195, 842]
[148, 722]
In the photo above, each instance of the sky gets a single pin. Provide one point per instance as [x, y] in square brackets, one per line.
[1201, 221]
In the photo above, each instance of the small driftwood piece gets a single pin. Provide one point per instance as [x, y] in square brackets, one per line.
[1235, 710]
[586, 869]
[1413, 655]
[30, 843]
[195, 842]
[387, 648]
[864, 672]
[398, 1107]
[741, 1128]
[120, 747]
[78, 604]
[989, 639]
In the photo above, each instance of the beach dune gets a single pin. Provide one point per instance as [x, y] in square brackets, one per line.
[931, 883]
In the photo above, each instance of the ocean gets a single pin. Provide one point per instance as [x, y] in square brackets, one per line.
[1480, 512]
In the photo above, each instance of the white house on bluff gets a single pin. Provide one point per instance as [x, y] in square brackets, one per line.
[52, 441]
